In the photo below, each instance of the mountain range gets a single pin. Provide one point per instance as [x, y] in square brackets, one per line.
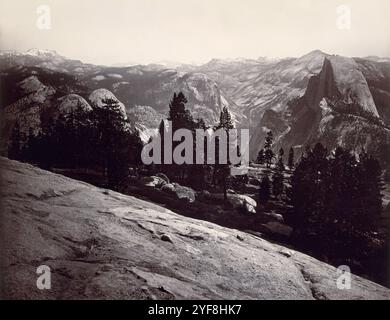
[317, 97]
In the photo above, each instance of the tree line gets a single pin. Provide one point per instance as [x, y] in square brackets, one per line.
[198, 176]
[336, 198]
[100, 139]
[332, 199]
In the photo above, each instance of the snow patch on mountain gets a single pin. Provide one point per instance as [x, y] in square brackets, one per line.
[42, 53]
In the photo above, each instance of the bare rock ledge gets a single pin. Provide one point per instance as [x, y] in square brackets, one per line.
[105, 245]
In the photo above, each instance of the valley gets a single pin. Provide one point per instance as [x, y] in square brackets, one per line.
[317, 98]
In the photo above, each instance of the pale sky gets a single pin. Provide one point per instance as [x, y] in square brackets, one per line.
[146, 31]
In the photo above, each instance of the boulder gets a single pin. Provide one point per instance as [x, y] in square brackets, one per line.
[73, 103]
[153, 181]
[203, 194]
[211, 196]
[285, 252]
[274, 216]
[239, 201]
[166, 238]
[181, 192]
[162, 176]
[98, 97]
[184, 193]
[278, 228]
[169, 188]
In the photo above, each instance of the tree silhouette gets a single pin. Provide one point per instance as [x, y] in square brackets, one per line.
[268, 153]
[260, 157]
[178, 114]
[308, 190]
[112, 131]
[265, 189]
[181, 118]
[336, 198]
[15, 145]
[222, 171]
[280, 163]
[290, 162]
[278, 178]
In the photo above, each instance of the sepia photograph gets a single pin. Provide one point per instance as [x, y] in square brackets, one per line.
[214, 151]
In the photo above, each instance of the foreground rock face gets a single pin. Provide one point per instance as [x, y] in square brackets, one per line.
[101, 244]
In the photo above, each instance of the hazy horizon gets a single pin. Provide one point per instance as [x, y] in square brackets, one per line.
[195, 31]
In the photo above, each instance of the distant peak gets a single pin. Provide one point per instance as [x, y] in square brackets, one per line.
[42, 52]
[316, 52]
[269, 59]
[313, 56]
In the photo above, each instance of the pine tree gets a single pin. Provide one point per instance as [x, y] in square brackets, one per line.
[337, 198]
[260, 157]
[47, 144]
[268, 153]
[280, 164]
[200, 124]
[178, 114]
[181, 119]
[278, 178]
[62, 141]
[341, 192]
[277, 183]
[30, 150]
[197, 173]
[112, 132]
[265, 189]
[308, 189]
[222, 171]
[225, 120]
[15, 146]
[291, 158]
[370, 185]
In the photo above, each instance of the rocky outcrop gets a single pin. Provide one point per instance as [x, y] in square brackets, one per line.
[98, 97]
[337, 109]
[101, 244]
[242, 202]
[143, 91]
[352, 84]
[264, 84]
[181, 192]
[33, 99]
[146, 120]
[267, 92]
[153, 181]
[73, 103]
[278, 228]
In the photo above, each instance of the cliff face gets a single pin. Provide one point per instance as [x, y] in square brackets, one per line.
[322, 85]
[338, 108]
[102, 244]
[352, 84]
